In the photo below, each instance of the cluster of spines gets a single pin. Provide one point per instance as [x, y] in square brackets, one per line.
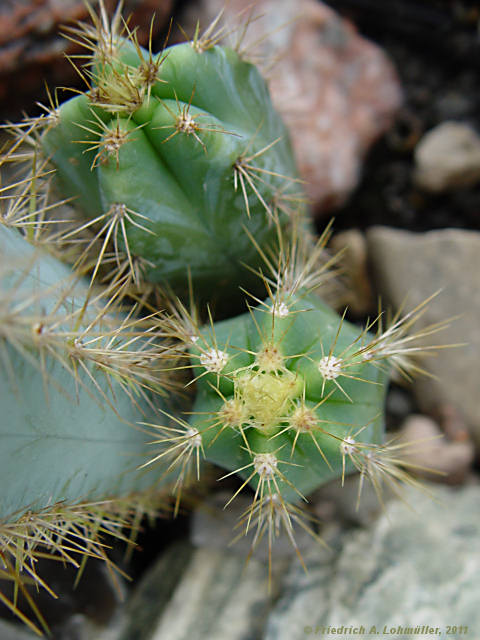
[100, 336]
[279, 401]
[71, 534]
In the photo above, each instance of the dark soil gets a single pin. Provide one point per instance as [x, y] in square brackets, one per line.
[435, 46]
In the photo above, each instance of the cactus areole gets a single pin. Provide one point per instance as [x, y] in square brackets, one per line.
[180, 157]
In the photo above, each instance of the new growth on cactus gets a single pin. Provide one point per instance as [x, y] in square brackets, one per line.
[167, 184]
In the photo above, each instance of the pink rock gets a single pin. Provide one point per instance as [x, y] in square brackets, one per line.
[337, 91]
[439, 459]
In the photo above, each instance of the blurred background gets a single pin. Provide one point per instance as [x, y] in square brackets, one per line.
[382, 98]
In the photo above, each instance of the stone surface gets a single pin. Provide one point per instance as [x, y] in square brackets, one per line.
[434, 456]
[354, 265]
[448, 157]
[336, 91]
[452, 423]
[411, 267]
[12, 631]
[410, 568]
[217, 597]
[151, 596]
[214, 527]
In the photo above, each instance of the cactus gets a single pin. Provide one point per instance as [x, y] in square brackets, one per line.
[173, 169]
[290, 395]
[77, 377]
[76, 369]
[170, 157]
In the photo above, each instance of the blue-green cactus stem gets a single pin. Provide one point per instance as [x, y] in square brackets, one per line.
[69, 429]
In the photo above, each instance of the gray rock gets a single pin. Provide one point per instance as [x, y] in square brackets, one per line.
[152, 595]
[214, 527]
[410, 267]
[353, 245]
[434, 457]
[217, 597]
[448, 157]
[78, 627]
[408, 569]
[12, 631]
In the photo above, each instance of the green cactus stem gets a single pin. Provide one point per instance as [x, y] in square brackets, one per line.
[288, 392]
[170, 157]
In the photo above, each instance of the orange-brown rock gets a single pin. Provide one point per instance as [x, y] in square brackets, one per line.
[32, 51]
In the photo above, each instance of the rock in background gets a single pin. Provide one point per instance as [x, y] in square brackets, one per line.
[409, 568]
[448, 157]
[409, 266]
[217, 596]
[437, 456]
